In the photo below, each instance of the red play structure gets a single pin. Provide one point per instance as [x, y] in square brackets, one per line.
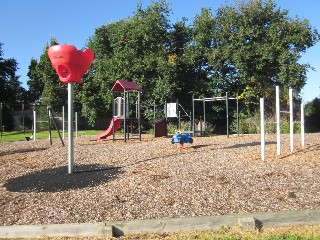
[120, 109]
[70, 64]
[113, 127]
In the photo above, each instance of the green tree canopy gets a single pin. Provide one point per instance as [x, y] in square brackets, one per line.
[133, 49]
[254, 46]
[44, 84]
[11, 90]
[247, 48]
[312, 110]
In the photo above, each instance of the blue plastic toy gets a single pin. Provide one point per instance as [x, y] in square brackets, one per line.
[181, 138]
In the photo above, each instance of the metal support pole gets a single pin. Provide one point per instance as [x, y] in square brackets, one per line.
[177, 112]
[63, 119]
[129, 120]
[278, 120]
[237, 114]
[302, 125]
[262, 130]
[1, 127]
[34, 123]
[49, 123]
[76, 123]
[227, 113]
[24, 129]
[193, 127]
[291, 119]
[204, 117]
[165, 110]
[113, 114]
[139, 116]
[166, 117]
[125, 117]
[137, 108]
[154, 118]
[70, 129]
[51, 114]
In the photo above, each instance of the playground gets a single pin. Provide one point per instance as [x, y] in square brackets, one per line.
[153, 178]
[109, 179]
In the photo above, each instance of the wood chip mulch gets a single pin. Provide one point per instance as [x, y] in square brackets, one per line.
[153, 178]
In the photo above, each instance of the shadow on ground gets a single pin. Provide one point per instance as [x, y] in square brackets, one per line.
[200, 146]
[58, 179]
[252, 144]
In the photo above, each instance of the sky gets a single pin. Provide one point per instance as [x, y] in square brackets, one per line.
[26, 26]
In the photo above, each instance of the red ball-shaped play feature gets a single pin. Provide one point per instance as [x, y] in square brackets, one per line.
[70, 64]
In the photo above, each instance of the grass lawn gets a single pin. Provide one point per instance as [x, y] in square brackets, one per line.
[21, 135]
[234, 233]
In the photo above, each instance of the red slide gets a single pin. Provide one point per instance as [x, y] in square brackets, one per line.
[114, 122]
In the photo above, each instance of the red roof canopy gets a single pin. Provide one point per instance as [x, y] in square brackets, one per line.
[122, 85]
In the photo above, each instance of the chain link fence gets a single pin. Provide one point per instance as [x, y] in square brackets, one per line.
[24, 116]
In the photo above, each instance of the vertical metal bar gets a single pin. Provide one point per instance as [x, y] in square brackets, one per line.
[227, 113]
[56, 128]
[262, 130]
[278, 120]
[177, 114]
[49, 123]
[139, 116]
[129, 120]
[125, 117]
[63, 122]
[136, 109]
[291, 119]
[34, 122]
[237, 114]
[204, 117]
[193, 126]
[165, 110]
[70, 129]
[166, 117]
[76, 123]
[113, 113]
[1, 127]
[24, 129]
[302, 125]
[154, 118]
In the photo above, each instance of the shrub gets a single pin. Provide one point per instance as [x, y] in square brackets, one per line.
[251, 125]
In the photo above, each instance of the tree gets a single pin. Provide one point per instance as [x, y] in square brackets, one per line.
[246, 49]
[11, 90]
[312, 110]
[132, 49]
[44, 84]
[254, 46]
[183, 71]
[12, 93]
[35, 84]
[198, 52]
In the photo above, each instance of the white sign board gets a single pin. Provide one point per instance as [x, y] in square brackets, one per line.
[172, 110]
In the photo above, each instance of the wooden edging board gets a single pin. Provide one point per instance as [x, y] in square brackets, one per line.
[164, 225]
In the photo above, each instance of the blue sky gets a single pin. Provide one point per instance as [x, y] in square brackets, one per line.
[27, 25]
